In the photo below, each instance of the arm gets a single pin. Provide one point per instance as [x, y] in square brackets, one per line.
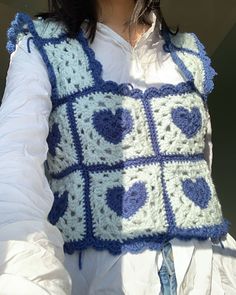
[208, 150]
[31, 249]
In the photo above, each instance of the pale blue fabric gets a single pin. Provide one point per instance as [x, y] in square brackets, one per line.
[167, 272]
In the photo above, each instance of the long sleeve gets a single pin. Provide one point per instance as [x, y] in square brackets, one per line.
[208, 150]
[31, 249]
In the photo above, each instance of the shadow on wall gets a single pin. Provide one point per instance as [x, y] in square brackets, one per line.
[222, 105]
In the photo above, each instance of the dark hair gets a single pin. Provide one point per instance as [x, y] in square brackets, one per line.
[73, 12]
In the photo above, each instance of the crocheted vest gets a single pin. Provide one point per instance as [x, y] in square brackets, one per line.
[126, 166]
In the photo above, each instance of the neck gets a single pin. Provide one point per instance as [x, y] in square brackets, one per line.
[115, 12]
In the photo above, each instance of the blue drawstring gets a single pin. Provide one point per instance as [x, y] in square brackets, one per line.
[221, 243]
[28, 41]
[80, 259]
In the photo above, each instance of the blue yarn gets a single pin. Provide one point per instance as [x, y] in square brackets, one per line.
[127, 88]
[151, 242]
[198, 191]
[222, 245]
[22, 19]
[28, 43]
[129, 163]
[80, 260]
[113, 127]
[127, 203]
[59, 207]
[149, 93]
[169, 47]
[54, 138]
[168, 208]
[152, 128]
[210, 72]
[189, 122]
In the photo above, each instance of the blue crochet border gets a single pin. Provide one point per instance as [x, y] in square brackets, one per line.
[165, 90]
[131, 245]
[125, 164]
[127, 88]
[22, 18]
[16, 27]
[156, 242]
[209, 71]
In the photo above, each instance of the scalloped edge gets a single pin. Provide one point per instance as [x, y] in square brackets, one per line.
[209, 71]
[127, 88]
[155, 242]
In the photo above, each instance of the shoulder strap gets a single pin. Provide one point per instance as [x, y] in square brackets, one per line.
[190, 55]
[41, 32]
[39, 28]
[65, 58]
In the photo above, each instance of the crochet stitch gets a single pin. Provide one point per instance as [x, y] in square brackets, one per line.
[126, 166]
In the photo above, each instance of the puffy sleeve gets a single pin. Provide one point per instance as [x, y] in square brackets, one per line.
[31, 249]
[208, 148]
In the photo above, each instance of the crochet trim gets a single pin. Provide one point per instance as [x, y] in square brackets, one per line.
[18, 27]
[152, 242]
[127, 88]
[209, 71]
[13, 33]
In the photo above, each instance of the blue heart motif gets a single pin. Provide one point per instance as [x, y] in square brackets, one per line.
[59, 207]
[113, 127]
[198, 191]
[127, 203]
[190, 122]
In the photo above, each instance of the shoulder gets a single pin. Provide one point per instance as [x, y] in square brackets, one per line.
[190, 53]
[38, 28]
[187, 41]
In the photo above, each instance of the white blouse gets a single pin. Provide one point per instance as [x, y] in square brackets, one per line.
[31, 249]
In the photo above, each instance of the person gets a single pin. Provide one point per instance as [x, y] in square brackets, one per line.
[106, 157]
